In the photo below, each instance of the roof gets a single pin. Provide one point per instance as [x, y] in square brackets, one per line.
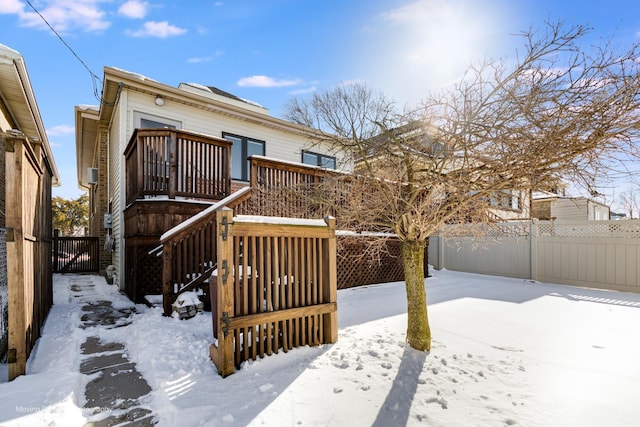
[542, 196]
[17, 94]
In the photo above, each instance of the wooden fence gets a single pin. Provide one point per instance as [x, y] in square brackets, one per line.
[75, 254]
[289, 182]
[275, 287]
[28, 224]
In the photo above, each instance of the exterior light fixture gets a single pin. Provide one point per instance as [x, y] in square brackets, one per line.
[159, 101]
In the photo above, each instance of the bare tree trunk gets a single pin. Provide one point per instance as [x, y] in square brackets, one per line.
[418, 330]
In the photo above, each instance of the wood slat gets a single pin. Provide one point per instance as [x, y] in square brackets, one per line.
[292, 313]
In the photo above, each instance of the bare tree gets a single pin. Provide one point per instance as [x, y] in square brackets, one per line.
[559, 111]
[629, 201]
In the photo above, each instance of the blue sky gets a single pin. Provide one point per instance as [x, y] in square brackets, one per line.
[271, 50]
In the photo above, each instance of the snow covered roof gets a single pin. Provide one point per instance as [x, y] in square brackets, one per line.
[19, 97]
[221, 95]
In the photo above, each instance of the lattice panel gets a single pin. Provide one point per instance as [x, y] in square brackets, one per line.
[145, 272]
[600, 229]
[494, 231]
[357, 268]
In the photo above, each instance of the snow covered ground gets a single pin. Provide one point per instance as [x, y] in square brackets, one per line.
[506, 352]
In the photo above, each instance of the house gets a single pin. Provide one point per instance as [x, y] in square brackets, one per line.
[27, 173]
[417, 148]
[153, 155]
[548, 206]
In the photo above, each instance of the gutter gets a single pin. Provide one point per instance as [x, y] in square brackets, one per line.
[9, 56]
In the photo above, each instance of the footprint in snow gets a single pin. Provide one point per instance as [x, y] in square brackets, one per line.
[266, 387]
[443, 403]
[342, 365]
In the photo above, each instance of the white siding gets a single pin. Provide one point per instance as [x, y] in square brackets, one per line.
[569, 209]
[116, 190]
[278, 143]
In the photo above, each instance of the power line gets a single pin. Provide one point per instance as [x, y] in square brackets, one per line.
[94, 78]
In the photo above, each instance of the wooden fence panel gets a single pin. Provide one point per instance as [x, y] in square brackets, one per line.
[28, 222]
[276, 288]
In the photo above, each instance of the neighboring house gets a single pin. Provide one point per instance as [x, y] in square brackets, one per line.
[27, 173]
[142, 183]
[617, 216]
[507, 204]
[550, 206]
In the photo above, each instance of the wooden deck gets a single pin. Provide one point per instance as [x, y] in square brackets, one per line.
[171, 175]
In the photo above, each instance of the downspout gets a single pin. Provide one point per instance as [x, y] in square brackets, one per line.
[113, 271]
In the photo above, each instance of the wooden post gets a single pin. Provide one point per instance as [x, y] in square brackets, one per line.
[227, 173]
[222, 353]
[330, 287]
[253, 173]
[17, 346]
[173, 163]
[167, 255]
[56, 242]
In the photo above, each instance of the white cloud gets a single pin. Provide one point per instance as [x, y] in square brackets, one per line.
[160, 30]
[419, 12]
[218, 3]
[208, 58]
[64, 15]
[265, 81]
[135, 9]
[60, 130]
[11, 6]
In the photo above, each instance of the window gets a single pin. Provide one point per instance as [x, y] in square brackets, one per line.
[150, 121]
[156, 163]
[241, 150]
[316, 159]
[506, 199]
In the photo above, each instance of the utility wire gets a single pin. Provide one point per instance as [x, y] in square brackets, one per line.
[94, 78]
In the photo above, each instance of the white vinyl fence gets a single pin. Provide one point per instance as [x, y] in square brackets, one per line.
[597, 254]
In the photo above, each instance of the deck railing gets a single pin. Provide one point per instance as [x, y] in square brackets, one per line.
[285, 189]
[171, 163]
[189, 251]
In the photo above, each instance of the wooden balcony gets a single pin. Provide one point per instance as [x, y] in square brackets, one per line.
[177, 164]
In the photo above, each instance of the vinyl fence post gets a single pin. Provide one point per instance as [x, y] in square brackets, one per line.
[533, 249]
